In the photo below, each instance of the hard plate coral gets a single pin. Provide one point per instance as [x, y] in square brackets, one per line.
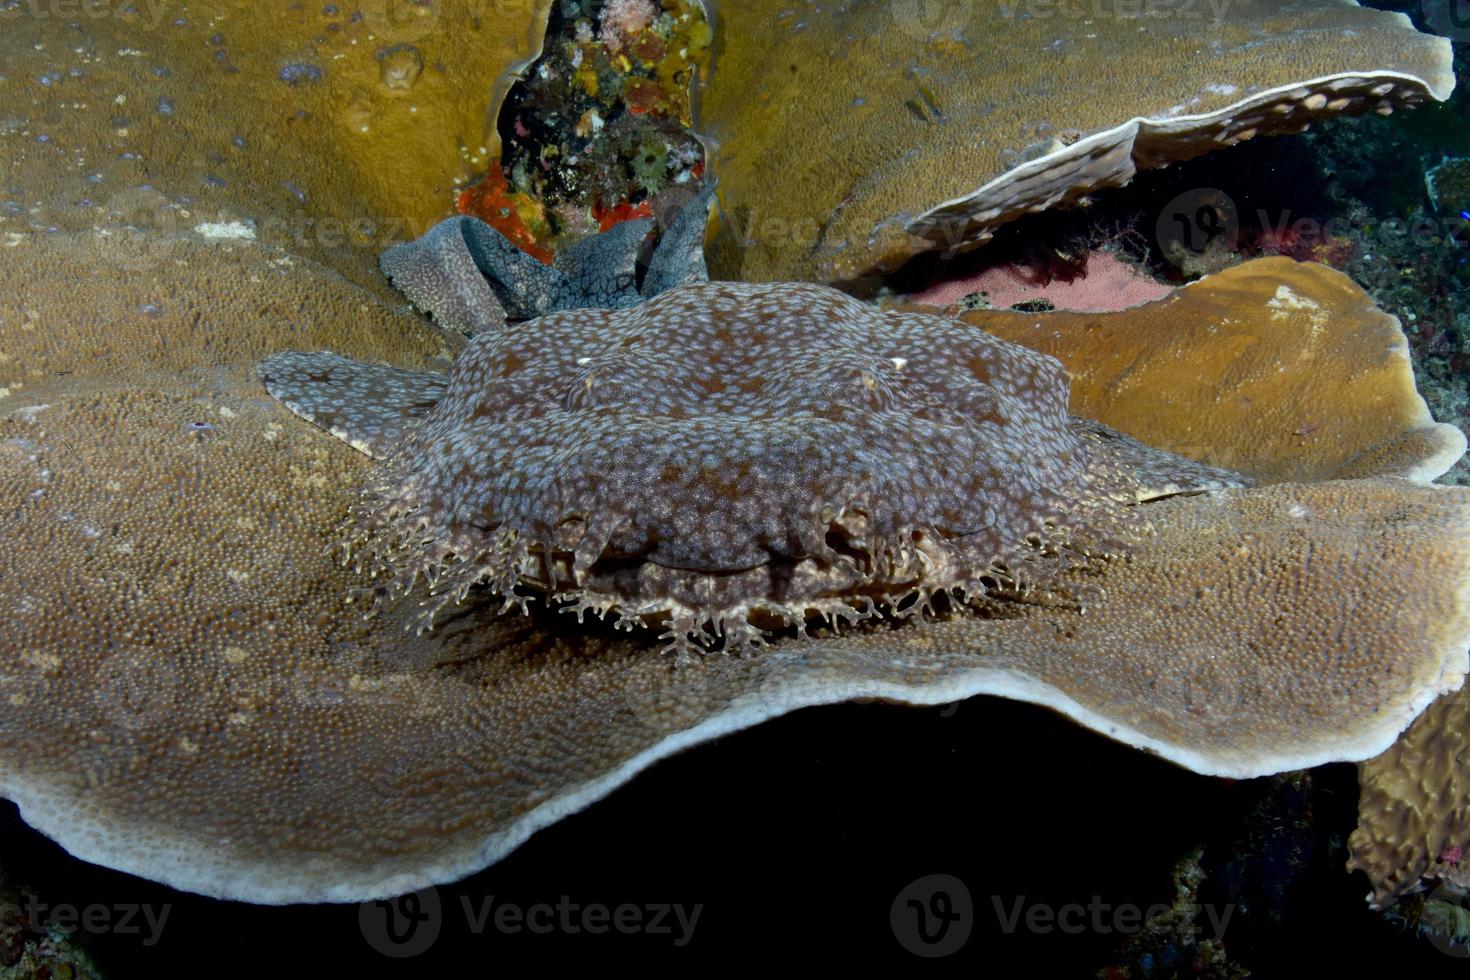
[186, 694]
[798, 453]
[851, 135]
[197, 101]
[1414, 807]
[1250, 334]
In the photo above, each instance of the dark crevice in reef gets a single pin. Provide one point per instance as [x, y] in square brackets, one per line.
[1030, 811]
[599, 129]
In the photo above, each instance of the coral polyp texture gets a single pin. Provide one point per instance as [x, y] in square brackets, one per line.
[796, 454]
[329, 129]
[850, 136]
[1414, 807]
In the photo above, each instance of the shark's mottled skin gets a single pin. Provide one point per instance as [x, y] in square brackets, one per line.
[471, 278]
[730, 458]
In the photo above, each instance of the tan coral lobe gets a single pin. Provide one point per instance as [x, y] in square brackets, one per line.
[1250, 335]
[282, 120]
[796, 452]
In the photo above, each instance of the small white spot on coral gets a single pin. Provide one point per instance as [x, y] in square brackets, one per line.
[45, 661]
[1285, 302]
[230, 230]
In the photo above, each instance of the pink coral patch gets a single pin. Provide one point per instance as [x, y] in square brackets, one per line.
[622, 19]
[1108, 284]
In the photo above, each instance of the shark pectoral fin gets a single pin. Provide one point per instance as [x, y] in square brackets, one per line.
[367, 406]
[1154, 473]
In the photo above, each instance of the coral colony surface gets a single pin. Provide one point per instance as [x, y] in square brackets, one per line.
[586, 481]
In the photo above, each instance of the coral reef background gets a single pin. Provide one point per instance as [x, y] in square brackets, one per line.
[1054, 815]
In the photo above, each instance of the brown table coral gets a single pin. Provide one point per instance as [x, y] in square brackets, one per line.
[187, 695]
[848, 139]
[1249, 336]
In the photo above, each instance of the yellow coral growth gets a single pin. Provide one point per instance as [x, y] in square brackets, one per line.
[331, 132]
